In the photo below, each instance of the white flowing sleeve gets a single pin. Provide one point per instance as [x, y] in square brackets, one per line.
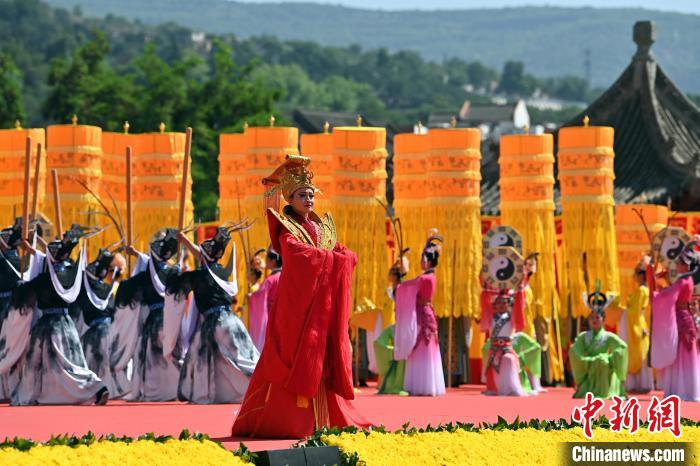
[406, 330]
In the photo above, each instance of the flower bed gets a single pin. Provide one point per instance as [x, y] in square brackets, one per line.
[122, 451]
[536, 442]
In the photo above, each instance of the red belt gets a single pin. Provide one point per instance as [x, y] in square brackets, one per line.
[500, 343]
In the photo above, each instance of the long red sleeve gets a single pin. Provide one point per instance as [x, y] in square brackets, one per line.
[311, 311]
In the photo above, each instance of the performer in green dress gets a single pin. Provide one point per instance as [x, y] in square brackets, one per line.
[598, 357]
[391, 371]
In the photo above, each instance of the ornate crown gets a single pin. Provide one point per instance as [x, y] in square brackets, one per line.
[292, 175]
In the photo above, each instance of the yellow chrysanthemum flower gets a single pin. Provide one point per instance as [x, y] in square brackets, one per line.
[492, 447]
[171, 452]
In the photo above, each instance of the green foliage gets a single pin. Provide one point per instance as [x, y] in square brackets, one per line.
[352, 458]
[11, 107]
[162, 90]
[90, 438]
[112, 70]
[244, 452]
[87, 87]
[567, 87]
[333, 93]
[514, 81]
[151, 90]
[230, 96]
[552, 40]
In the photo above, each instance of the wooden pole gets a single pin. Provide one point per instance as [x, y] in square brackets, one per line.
[25, 206]
[37, 167]
[183, 189]
[557, 330]
[185, 177]
[450, 336]
[245, 241]
[57, 203]
[129, 226]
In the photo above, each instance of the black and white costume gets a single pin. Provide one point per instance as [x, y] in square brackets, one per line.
[95, 304]
[11, 347]
[221, 357]
[54, 369]
[136, 331]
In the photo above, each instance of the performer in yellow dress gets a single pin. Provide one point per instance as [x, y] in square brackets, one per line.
[634, 329]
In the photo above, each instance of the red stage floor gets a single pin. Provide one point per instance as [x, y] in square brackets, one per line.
[465, 404]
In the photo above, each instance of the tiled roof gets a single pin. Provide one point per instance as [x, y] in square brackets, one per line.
[657, 132]
[489, 113]
[657, 136]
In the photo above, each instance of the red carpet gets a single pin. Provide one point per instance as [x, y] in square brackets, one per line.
[465, 404]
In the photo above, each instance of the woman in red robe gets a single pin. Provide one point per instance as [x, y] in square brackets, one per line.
[303, 380]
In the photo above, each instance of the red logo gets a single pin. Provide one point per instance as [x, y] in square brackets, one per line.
[626, 414]
[584, 414]
[662, 415]
[665, 414]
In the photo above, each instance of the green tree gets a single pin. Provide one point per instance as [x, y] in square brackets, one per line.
[295, 87]
[344, 95]
[11, 107]
[513, 79]
[222, 103]
[211, 97]
[87, 87]
[162, 91]
[566, 88]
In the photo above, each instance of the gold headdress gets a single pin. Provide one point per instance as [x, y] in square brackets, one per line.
[289, 177]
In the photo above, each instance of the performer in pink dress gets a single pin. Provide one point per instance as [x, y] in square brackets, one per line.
[501, 319]
[261, 300]
[416, 328]
[674, 343]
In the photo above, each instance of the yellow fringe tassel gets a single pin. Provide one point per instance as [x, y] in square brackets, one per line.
[590, 228]
[460, 225]
[361, 228]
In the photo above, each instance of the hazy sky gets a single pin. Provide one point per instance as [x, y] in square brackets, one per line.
[685, 6]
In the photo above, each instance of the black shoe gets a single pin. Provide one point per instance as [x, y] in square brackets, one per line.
[102, 397]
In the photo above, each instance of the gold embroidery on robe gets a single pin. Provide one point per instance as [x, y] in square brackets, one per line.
[328, 233]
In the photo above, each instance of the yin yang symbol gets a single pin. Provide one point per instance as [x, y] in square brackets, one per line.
[672, 247]
[502, 268]
[501, 240]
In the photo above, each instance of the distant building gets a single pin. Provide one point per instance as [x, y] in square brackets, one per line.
[657, 133]
[493, 119]
[657, 136]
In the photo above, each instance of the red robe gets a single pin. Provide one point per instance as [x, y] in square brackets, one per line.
[303, 380]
